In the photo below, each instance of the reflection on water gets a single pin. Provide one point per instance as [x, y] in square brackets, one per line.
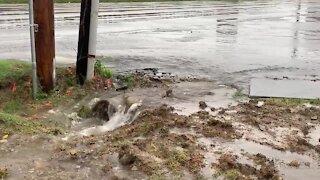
[227, 40]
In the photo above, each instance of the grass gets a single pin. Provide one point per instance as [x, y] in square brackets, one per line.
[19, 102]
[3, 173]
[16, 124]
[232, 174]
[291, 101]
[176, 159]
[238, 94]
[103, 71]
[84, 112]
[13, 69]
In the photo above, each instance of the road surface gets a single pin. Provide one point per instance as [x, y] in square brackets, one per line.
[226, 41]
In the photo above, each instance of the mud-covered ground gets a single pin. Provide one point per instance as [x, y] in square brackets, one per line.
[185, 129]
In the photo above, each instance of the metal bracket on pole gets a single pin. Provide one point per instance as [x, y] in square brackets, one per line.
[36, 28]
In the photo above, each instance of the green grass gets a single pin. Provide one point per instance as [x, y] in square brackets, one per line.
[15, 124]
[232, 174]
[176, 159]
[84, 112]
[103, 71]
[13, 69]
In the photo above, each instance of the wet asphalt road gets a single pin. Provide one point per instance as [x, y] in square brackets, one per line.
[228, 41]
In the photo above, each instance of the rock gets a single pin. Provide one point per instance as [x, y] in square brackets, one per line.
[103, 109]
[130, 100]
[262, 128]
[134, 168]
[260, 104]
[169, 93]
[73, 153]
[74, 116]
[3, 172]
[3, 141]
[294, 164]
[222, 111]
[314, 118]
[93, 102]
[107, 168]
[51, 111]
[307, 164]
[203, 105]
[213, 109]
[127, 159]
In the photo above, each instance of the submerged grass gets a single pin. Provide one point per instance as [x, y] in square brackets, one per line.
[16, 94]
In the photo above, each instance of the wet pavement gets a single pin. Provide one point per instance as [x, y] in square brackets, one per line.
[227, 40]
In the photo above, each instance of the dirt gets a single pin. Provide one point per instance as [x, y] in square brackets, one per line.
[164, 144]
[229, 162]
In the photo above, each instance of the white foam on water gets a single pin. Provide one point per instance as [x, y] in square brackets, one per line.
[120, 118]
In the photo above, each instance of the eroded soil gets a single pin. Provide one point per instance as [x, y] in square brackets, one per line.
[226, 140]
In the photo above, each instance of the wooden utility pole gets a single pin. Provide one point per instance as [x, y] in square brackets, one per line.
[83, 44]
[45, 42]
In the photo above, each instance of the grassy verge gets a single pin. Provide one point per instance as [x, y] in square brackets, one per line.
[16, 124]
[19, 112]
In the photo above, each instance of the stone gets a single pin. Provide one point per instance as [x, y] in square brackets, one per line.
[314, 118]
[134, 168]
[213, 109]
[260, 104]
[127, 159]
[203, 105]
[169, 93]
[307, 164]
[294, 164]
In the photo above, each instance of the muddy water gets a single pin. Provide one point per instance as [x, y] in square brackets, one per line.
[242, 148]
[226, 40]
[185, 99]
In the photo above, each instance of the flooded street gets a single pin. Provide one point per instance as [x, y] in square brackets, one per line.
[176, 109]
[230, 41]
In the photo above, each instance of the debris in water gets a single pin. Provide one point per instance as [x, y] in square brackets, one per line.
[294, 164]
[169, 93]
[314, 118]
[3, 172]
[203, 105]
[260, 104]
[125, 156]
[103, 109]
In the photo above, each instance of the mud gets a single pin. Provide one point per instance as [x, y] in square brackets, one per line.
[229, 162]
[238, 139]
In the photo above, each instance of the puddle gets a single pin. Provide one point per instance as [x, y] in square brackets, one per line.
[242, 147]
[186, 96]
[314, 136]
